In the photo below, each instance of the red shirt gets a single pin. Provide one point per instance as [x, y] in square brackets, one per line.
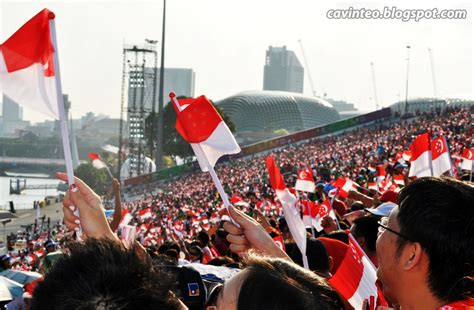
[459, 305]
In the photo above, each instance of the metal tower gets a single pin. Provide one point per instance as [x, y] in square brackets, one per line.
[138, 101]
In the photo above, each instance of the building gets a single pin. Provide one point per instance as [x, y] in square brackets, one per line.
[427, 104]
[282, 71]
[179, 80]
[261, 115]
[344, 108]
[12, 118]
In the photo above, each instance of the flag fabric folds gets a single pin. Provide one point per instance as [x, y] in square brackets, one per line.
[344, 185]
[288, 202]
[441, 160]
[356, 277]
[305, 181]
[420, 156]
[198, 122]
[27, 73]
[96, 161]
[468, 158]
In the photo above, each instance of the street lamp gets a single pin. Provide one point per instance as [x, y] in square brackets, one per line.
[406, 88]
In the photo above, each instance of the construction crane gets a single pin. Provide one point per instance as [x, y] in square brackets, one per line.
[435, 88]
[375, 86]
[307, 68]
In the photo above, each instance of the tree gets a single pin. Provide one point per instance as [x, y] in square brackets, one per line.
[174, 144]
[97, 179]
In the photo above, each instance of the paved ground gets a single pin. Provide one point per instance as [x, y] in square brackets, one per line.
[26, 217]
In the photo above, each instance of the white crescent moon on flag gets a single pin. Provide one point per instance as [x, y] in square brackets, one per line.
[440, 145]
[470, 155]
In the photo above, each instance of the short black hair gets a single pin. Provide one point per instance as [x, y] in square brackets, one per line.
[103, 274]
[367, 227]
[273, 283]
[318, 258]
[438, 213]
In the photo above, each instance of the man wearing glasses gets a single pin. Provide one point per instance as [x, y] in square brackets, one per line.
[425, 247]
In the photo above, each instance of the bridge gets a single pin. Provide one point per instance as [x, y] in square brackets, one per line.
[19, 185]
[32, 161]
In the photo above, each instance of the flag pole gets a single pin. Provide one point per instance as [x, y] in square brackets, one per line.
[210, 168]
[332, 201]
[62, 117]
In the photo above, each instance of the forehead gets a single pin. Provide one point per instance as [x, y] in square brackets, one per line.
[392, 218]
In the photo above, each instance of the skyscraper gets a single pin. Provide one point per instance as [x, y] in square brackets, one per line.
[11, 111]
[282, 71]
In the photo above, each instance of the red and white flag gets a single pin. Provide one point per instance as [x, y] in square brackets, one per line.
[322, 210]
[27, 73]
[305, 181]
[126, 218]
[381, 173]
[290, 211]
[96, 161]
[467, 159]
[420, 156]
[399, 179]
[279, 242]
[356, 277]
[344, 185]
[441, 160]
[237, 201]
[406, 155]
[309, 212]
[198, 122]
[373, 186]
[145, 213]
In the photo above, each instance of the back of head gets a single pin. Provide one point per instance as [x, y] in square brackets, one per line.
[439, 214]
[317, 254]
[102, 274]
[278, 284]
[366, 227]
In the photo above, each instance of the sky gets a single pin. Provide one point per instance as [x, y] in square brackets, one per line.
[224, 42]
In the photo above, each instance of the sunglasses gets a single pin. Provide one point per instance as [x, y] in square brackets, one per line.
[383, 226]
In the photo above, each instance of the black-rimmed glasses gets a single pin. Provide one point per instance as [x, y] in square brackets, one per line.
[383, 226]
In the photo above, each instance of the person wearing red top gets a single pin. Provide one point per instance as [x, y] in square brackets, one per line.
[425, 246]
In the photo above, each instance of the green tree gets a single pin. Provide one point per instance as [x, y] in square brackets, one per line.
[174, 144]
[97, 179]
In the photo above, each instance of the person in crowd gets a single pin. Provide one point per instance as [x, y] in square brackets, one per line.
[271, 281]
[365, 230]
[118, 205]
[51, 256]
[425, 247]
[5, 262]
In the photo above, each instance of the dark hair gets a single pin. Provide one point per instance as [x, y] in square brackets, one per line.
[272, 283]
[203, 237]
[338, 235]
[102, 274]
[367, 228]
[318, 258]
[221, 261]
[438, 213]
[357, 205]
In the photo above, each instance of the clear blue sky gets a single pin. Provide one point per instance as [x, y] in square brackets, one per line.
[225, 43]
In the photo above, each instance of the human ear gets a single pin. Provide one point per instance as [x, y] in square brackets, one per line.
[411, 256]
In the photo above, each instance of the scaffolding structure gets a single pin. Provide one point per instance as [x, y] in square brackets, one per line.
[139, 93]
